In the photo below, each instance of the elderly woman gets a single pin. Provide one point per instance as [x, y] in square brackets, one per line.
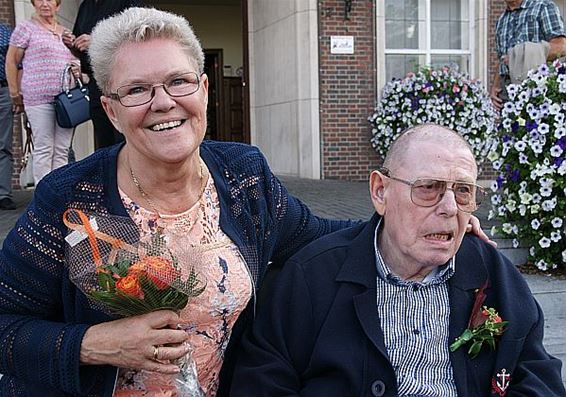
[149, 65]
[37, 45]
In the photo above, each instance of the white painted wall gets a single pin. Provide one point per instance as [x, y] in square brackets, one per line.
[83, 143]
[284, 91]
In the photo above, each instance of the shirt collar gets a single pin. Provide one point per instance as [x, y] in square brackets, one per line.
[437, 276]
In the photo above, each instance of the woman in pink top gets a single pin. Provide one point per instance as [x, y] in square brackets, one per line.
[36, 44]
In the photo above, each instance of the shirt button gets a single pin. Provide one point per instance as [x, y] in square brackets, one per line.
[378, 388]
[416, 331]
[416, 287]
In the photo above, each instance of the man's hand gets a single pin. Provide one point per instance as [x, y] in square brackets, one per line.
[82, 42]
[474, 226]
[17, 103]
[495, 99]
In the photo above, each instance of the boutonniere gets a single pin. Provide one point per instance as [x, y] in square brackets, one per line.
[484, 326]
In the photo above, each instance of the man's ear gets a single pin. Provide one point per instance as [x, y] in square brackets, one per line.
[377, 187]
[107, 106]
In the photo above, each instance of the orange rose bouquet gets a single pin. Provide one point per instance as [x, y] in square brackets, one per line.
[124, 276]
[129, 278]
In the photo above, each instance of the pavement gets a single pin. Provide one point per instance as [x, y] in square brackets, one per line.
[350, 200]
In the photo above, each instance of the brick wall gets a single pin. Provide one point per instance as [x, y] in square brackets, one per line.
[347, 90]
[7, 16]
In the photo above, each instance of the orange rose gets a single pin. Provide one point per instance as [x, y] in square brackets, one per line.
[130, 285]
[136, 268]
[160, 271]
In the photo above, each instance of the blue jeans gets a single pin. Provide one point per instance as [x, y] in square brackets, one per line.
[6, 159]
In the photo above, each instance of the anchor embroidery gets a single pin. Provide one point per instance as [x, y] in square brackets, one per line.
[501, 382]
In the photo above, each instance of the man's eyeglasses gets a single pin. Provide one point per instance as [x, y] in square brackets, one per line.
[427, 192]
[141, 93]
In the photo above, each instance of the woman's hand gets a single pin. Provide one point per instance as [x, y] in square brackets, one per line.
[475, 227]
[68, 39]
[133, 343]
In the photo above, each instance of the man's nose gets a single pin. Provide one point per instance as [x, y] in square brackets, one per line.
[447, 204]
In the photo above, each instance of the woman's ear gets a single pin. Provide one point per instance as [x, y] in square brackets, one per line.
[109, 109]
[377, 190]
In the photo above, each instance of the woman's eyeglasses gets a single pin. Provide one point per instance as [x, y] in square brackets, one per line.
[141, 93]
[428, 192]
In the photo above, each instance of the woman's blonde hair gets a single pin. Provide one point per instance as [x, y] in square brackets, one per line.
[137, 25]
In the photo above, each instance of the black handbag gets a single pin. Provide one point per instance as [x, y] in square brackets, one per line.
[72, 106]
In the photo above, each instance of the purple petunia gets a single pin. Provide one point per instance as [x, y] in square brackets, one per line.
[499, 181]
[531, 125]
[515, 126]
[562, 143]
[558, 161]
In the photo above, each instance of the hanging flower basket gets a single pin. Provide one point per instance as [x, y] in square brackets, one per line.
[442, 96]
[529, 193]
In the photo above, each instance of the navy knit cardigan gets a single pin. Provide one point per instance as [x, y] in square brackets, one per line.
[43, 316]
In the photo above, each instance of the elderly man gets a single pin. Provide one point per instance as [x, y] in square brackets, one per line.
[373, 310]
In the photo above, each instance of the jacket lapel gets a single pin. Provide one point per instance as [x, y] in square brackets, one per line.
[359, 268]
[470, 275]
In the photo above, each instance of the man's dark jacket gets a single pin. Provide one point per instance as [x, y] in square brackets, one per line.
[320, 334]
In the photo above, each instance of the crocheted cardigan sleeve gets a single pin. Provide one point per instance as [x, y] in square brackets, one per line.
[37, 341]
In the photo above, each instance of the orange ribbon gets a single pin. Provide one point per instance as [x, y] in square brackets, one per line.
[92, 235]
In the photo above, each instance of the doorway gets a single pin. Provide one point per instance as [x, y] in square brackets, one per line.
[222, 28]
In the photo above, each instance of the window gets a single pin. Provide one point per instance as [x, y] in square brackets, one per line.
[425, 32]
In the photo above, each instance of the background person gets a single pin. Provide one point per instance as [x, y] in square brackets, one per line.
[371, 310]
[90, 13]
[525, 21]
[37, 45]
[6, 121]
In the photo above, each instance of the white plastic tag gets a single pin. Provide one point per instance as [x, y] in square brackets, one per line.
[76, 237]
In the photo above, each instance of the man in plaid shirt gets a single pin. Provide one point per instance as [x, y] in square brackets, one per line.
[523, 21]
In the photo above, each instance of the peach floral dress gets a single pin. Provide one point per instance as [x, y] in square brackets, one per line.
[208, 318]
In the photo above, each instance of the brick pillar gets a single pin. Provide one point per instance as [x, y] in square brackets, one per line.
[347, 90]
[7, 16]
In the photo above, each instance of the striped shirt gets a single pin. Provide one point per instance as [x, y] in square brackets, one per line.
[5, 32]
[414, 318]
[534, 20]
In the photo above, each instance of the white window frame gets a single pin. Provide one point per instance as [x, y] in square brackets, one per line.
[477, 52]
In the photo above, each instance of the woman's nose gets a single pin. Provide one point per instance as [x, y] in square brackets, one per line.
[161, 101]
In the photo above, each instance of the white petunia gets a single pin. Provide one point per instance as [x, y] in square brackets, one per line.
[520, 146]
[542, 265]
[545, 191]
[549, 205]
[522, 210]
[556, 222]
[555, 236]
[556, 151]
[535, 224]
[544, 242]
[523, 159]
[515, 243]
